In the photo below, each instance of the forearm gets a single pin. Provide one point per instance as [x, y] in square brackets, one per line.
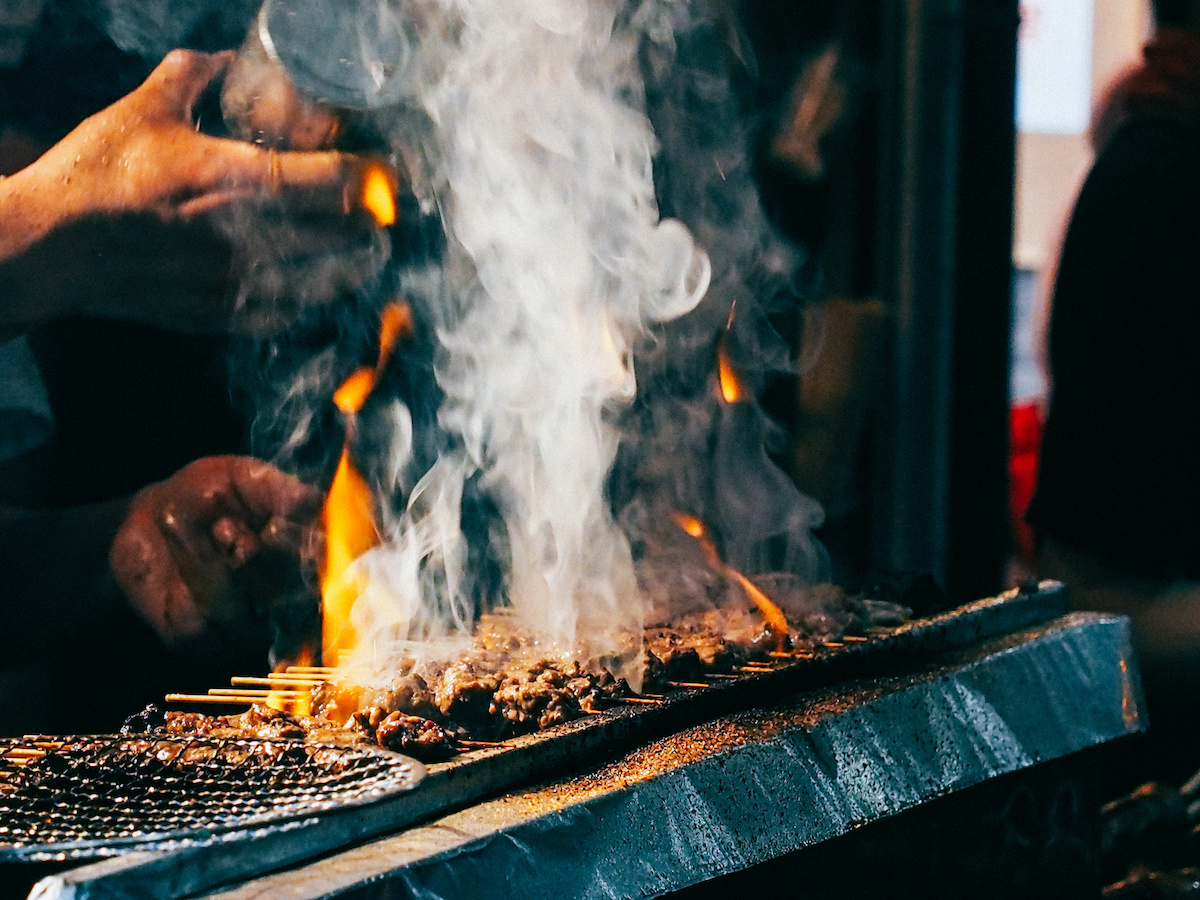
[54, 573]
[31, 213]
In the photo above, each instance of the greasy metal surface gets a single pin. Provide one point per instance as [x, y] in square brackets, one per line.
[747, 788]
[564, 748]
[98, 795]
[181, 872]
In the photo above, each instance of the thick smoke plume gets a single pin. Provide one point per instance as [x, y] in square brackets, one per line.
[599, 239]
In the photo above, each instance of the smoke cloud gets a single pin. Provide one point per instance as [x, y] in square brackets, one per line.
[598, 238]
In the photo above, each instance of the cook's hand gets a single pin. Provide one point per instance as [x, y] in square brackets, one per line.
[205, 555]
[123, 216]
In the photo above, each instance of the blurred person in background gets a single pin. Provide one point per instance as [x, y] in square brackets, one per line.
[1118, 493]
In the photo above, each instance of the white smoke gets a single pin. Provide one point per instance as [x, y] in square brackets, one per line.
[540, 154]
[576, 156]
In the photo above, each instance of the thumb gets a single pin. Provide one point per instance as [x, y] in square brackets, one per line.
[182, 77]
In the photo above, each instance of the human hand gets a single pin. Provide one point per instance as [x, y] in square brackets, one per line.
[208, 556]
[130, 214]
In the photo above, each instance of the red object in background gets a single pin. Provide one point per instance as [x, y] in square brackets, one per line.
[1025, 437]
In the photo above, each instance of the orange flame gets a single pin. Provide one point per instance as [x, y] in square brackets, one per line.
[731, 386]
[396, 323]
[349, 513]
[776, 621]
[350, 397]
[379, 193]
[290, 703]
[350, 531]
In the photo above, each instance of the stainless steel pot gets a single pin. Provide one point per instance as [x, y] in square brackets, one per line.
[308, 67]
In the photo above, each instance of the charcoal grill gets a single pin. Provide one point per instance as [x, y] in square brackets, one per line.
[69, 798]
[991, 734]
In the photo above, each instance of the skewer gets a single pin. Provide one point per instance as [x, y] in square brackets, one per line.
[480, 744]
[299, 676]
[650, 700]
[722, 676]
[271, 680]
[19, 762]
[854, 638]
[209, 698]
[833, 645]
[687, 684]
[310, 670]
[23, 753]
[759, 668]
[249, 692]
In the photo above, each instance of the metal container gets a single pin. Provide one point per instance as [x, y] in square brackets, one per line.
[308, 67]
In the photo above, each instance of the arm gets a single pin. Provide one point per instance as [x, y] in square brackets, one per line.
[121, 217]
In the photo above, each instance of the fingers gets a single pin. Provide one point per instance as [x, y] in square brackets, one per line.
[271, 494]
[336, 180]
[145, 570]
[326, 182]
[235, 501]
[235, 541]
[202, 555]
[183, 75]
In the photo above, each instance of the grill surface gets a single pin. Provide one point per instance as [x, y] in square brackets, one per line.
[198, 863]
[97, 795]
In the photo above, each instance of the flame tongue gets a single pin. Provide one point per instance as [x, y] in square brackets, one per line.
[296, 703]
[727, 378]
[732, 391]
[350, 397]
[349, 521]
[349, 513]
[776, 621]
[379, 194]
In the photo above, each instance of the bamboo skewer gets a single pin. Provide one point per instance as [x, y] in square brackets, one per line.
[272, 681]
[792, 654]
[209, 698]
[297, 676]
[23, 753]
[13, 760]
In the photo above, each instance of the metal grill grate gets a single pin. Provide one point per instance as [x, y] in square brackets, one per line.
[107, 793]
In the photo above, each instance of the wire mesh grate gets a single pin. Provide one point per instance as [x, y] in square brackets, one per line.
[111, 792]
